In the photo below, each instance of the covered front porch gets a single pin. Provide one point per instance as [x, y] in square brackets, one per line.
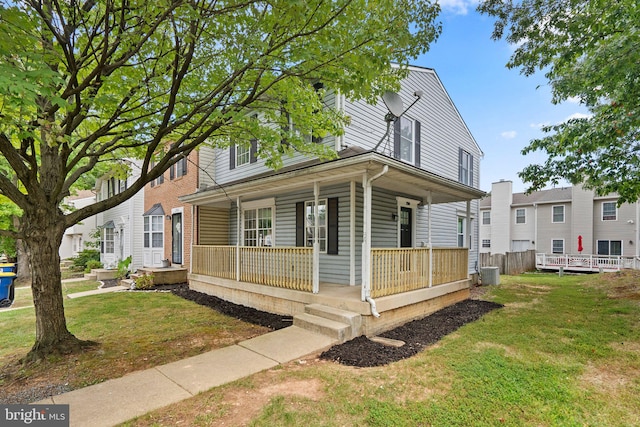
[364, 243]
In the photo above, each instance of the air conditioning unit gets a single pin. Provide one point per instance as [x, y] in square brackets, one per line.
[490, 275]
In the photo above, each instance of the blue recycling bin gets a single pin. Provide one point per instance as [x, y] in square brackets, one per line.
[8, 267]
[6, 288]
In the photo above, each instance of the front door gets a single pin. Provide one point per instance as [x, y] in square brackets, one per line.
[406, 231]
[176, 238]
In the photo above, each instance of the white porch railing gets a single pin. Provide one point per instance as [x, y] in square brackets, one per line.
[398, 270]
[585, 262]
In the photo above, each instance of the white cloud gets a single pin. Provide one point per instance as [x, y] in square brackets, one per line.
[460, 7]
[510, 134]
[574, 99]
[578, 116]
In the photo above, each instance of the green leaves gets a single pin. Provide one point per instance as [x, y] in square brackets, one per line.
[589, 50]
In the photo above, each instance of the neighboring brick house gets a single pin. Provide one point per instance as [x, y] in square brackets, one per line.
[167, 221]
[555, 221]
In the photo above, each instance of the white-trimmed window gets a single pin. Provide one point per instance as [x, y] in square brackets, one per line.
[309, 215]
[258, 223]
[243, 155]
[407, 139]
[465, 167]
[153, 231]
[609, 211]
[557, 213]
[486, 218]
[557, 246]
[521, 216]
[462, 229]
[486, 243]
[109, 240]
[609, 247]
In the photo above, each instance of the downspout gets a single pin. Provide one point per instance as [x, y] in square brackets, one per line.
[366, 241]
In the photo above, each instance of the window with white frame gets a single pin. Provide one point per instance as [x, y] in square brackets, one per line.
[521, 216]
[153, 231]
[407, 139]
[258, 226]
[486, 218]
[557, 213]
[609, 247]
[465, 167]
[243, 155]
[557, 246]
[486, 243]
[609, 211]
[462, 229]
[109, 240]
[309, 215]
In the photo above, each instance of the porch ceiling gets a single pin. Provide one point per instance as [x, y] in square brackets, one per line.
[401, 178]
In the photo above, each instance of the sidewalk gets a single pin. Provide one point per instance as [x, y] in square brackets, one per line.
[118, 400]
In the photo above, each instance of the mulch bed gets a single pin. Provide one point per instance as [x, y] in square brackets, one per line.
[361, 351]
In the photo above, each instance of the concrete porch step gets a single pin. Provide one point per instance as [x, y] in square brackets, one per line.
[331, 328]
[91, 276]
[354, 320]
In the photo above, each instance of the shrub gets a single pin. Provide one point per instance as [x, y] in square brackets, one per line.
[123, 268]
[144, 282]
[80, 261]
[91, 264]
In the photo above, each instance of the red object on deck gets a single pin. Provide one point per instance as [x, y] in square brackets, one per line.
[580, 244]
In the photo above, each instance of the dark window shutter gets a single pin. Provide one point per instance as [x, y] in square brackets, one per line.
[332, 226]
[460, 179]
[160, 179]
[417, 143]
[253, 151]
[300, 224]
[470, 170]
[232, 156]
[172, 171]
[184, 166]
[396, 138]
[153, 183]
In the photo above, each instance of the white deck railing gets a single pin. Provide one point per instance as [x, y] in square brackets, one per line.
[585, 262]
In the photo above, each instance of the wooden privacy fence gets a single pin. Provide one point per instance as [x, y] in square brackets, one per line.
[284, 267]
[397, 270]
[511, 262]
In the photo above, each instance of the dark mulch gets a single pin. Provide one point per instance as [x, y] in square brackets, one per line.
[361, 351]
[247, 314]
[416, 335]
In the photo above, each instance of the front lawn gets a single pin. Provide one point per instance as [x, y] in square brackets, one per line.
[564, 351]
[136, 330]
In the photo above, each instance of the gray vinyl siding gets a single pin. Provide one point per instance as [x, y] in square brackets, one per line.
[549, 231]
[620, 229]
[206, 160]
[223, 174]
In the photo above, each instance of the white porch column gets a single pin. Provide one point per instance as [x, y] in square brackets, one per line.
[316, 244]
[430, 244]
[239, 237]
[468, 231]
[352, 234]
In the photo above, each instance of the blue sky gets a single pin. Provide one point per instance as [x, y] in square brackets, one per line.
[503, 109]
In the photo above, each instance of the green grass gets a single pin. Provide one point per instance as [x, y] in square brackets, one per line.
[135, 330]
[560, 353]
[24, 298]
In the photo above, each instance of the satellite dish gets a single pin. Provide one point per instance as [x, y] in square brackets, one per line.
[394, 103]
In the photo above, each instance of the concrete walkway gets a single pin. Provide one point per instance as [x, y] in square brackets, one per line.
[118, 400]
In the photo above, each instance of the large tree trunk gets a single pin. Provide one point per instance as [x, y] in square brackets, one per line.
[52, 336]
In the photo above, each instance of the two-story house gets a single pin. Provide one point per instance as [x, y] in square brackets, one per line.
[167, 222]
[390, 234]
[570, 220]
[76, 236]
[121, 227]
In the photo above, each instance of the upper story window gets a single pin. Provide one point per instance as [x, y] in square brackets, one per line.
[486, 218]
[609, 211]
[159, 180]
[115, 186]
[406, 140]
[557, 213]
[465, 167]
[521, 216]
[179, 168]
[243, 155]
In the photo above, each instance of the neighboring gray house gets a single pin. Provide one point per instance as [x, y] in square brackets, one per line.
[122, 228]
[372, 232]
[555, 221]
